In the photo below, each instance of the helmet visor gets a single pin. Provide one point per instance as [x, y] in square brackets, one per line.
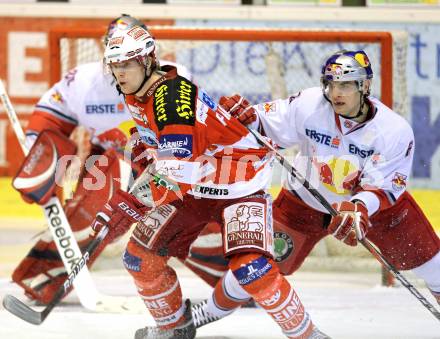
[125, 66]
[343, 88]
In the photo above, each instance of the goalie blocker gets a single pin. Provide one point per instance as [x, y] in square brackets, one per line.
[41, 272]
[36, 179]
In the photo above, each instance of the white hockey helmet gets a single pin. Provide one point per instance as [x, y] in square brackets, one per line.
[134, 43]
[125, 21]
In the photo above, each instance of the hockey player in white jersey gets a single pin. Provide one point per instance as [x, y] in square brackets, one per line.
[358, 154]
[87, 97]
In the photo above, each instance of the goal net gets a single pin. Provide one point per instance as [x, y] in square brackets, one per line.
[261, 64]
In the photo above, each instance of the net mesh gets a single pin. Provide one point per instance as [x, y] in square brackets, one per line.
[261, 70]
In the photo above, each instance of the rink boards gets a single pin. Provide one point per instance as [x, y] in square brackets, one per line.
[11, 206]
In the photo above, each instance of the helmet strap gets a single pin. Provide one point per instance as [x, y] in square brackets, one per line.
[361, 106]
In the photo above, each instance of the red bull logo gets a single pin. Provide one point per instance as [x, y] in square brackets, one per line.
[338, 175]
[399, 181]
[269, 107]
[57, 97]
[348, 124]
[362, 59]
[334, 69]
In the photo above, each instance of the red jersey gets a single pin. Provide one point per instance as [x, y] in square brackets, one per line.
[206, 152]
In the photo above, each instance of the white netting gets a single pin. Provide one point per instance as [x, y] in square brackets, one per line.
[258, 70]
[263, 71]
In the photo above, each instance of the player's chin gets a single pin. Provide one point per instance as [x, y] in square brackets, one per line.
[340, 109]
[125, 88]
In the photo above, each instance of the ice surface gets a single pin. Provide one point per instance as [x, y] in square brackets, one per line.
[345, 306]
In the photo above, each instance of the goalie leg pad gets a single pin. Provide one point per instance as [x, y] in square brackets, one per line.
[36, 273]
[259, 276]
[157, 284]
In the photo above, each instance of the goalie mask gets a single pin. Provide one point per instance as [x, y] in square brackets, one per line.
[128, 48]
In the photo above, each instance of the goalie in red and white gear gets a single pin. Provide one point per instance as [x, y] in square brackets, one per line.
[86, 97]
[358, 154]
[217, 172]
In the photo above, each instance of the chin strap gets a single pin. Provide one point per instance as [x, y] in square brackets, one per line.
[146, 77]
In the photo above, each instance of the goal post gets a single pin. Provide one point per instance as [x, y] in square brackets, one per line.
[69, 46]
[260, 63]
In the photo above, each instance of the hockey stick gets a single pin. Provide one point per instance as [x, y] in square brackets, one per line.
[21, 310]
[57, 221]
[365, 242]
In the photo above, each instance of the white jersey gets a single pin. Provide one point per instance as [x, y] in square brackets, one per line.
[87, 96]
[344, 160]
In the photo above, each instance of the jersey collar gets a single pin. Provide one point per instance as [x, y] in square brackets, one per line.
[347, 126]
[171, 72]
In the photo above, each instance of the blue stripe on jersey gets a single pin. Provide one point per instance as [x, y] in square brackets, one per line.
[391, 198]
[57, 113]
[31, 133]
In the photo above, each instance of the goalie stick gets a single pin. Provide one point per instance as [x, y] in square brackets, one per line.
[54, 213]
[365, 242]
[21, 310]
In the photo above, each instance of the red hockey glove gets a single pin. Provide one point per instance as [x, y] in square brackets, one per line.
[238, 107]
[140, 154]
[119, 213]
[350, 225]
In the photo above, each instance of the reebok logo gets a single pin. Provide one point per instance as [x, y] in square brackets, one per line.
[75, 271]
[34, 159]
[62, 238]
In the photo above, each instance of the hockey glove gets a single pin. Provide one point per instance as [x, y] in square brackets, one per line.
[38, 175]
[238, 107]
[350, 225]
[119, 213]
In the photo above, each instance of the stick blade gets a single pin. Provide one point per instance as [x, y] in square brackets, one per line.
[21, 310]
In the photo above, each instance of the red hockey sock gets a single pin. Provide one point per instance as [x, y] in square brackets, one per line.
[157, 285]
[260, 277]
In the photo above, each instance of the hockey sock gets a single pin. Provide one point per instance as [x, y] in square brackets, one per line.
[157, 285]
[260, 277]
[227, 296]
[163, 298]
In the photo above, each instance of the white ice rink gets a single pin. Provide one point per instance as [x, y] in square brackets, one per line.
[345, 306]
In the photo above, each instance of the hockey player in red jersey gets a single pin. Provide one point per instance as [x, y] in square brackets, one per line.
[85, 97]
[358, 154]
[215, 172]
